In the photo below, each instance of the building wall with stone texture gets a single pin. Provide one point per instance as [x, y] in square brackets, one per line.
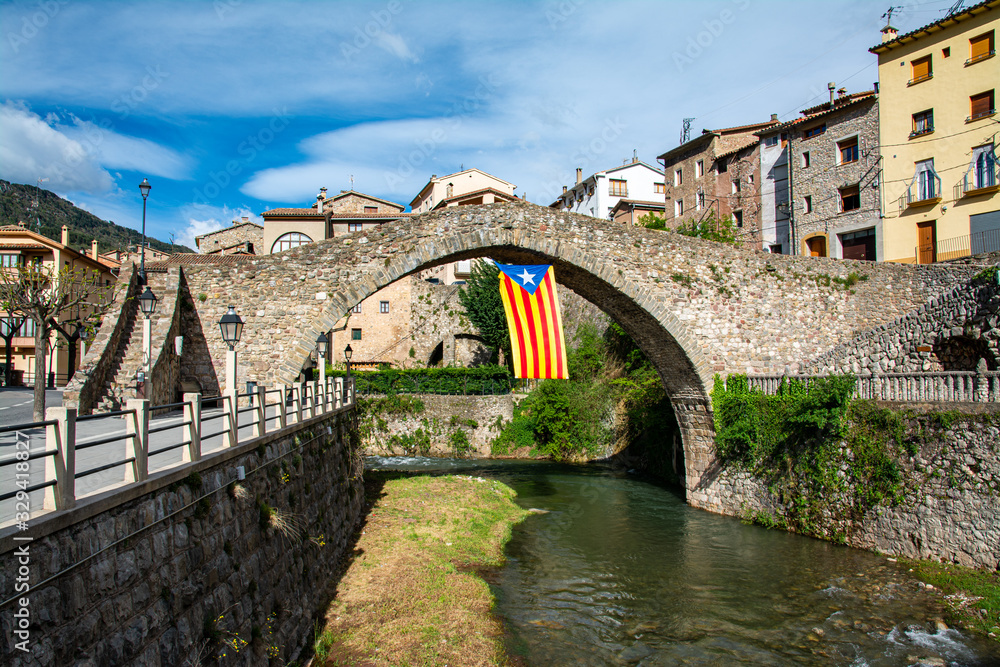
[240, 233]
[141, 574]
[440, 418]
[356, 202]
[948, 512]
[822, 180]
[383, 336]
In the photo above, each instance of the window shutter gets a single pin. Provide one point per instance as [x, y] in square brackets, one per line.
[981, 104]
[980, 46]
[921, 69]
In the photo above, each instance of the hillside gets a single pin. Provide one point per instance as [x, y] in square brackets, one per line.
[17, 203]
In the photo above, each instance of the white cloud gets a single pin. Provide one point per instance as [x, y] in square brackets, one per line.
[30, 149]
[395, 45]
[117, 151]
[205, 219]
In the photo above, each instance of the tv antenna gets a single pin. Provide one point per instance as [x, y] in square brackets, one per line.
[889, 12]
[686, 131]
[955, 8]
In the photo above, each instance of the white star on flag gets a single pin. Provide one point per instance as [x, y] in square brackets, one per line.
[527, 278]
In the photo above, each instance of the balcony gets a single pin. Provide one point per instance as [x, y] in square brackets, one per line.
[961, 246]
[979, 181]
[981, 57]
[981, 115]
[922, 131]
[920, 79]
[924, 191]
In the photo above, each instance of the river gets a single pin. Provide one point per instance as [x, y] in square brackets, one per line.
[617, 570]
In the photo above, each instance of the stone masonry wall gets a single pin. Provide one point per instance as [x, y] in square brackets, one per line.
[150, 574]
[919, 341]
[949, 512]
[476, 415]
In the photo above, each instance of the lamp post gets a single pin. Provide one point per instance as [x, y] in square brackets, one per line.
[347, 381]
[147, 305]
[232, 328]
[144, 188]
[84, 333]
[322, 345]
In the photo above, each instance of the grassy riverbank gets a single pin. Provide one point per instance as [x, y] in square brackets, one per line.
[973, 596]
[411, 595]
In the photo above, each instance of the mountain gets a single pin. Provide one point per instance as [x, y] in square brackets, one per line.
[28, 203]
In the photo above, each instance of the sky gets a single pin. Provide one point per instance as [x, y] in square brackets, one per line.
[233, 107]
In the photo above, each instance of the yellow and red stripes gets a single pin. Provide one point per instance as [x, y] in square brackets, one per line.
[535, 325]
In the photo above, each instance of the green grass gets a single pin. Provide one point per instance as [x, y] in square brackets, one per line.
[972, 595]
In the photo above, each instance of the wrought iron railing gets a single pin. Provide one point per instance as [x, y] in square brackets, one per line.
[961, 246]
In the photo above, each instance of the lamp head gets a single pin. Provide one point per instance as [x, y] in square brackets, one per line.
[322, 344]
[231, 325]
[348, 352]
[145, 187]
[147, 303]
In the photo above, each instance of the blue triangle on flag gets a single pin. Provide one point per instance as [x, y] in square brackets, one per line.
[528, 276]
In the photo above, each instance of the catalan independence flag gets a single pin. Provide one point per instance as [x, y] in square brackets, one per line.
[534, 320]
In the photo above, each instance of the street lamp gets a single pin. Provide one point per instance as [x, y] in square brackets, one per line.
[347, 381]
[322, 345]
[144, 188]
[232, 328]
[147, 305]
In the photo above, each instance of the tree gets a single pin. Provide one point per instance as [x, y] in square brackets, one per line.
[710, 227]
[482, 303]
[10, 326]
[46, 296]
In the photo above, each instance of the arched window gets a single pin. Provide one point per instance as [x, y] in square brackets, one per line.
[289, 241]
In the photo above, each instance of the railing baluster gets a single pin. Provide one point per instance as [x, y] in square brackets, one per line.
[282, 406]
[137, 446]
[260, 422]
[192, 414]
[61, 466]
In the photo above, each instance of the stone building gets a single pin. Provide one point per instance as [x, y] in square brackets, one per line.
[345, 213]
[717, 172]
[937, 124]
[463, 188]
[826, 163]
[242, 237]
[630, 211]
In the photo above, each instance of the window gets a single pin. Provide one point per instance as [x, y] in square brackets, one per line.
[736, 186]
[738, 217]
[980, 48]
[356, 309]
[806, 161]
[678, 176]
[927, 180]
[354, 226]
[7, 324]
[815, 131]
[9, 261]
[923, 123]
[383, 307]
[807, 204]
[981, 105]
[699, 201]
[289, 241]
[984, 167]
[850, 198]
[775, 249]
[946, 52]
[699, 168]
[371, 209]
[678, 208]
[848, 149]
[355, 334]
[771, 141]
[659, 188]
[617, 188]
[721, 166]
[784, 139]
[921, 70]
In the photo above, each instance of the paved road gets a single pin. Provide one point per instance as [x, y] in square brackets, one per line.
[90, 457]
[15, 403]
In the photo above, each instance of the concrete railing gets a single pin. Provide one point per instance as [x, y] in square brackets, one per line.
[269, 410]
[945, 386]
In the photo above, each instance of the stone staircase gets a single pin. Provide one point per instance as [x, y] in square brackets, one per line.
[128, 356]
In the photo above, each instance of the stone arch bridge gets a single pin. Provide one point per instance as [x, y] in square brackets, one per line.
[696, 308]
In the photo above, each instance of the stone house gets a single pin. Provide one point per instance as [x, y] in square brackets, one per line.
[463, 188]
[718, 171]
[345, 213]
[629, 211]
[826, 163]
[242, 237]
[599, 194]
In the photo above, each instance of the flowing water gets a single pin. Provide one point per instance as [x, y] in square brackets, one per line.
[619, 571]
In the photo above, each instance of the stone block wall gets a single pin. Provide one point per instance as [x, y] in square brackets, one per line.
[162, 571]
[436, 421]
[949, 511]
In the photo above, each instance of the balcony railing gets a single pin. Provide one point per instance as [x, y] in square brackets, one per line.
[981, 114]
[961, 246]
[980, 57]
[920, 79]
[919, 132]
[926, 190]
[979, 181]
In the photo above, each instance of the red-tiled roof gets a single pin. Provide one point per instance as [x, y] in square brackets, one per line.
[181, 259]
[368, 216]
[467, 195]
[347, 193]
[741, 128]
[737, 147]
[940, 24]
[292, 211]
[226, 229]
[857, 97]
[839, 102]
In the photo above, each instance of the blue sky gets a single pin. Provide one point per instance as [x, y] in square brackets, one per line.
[233, 107]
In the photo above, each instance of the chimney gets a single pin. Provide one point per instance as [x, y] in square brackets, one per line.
[888, 34]
[831, 87]
[93, 249]
[449, 191]
[774, 118]
[841, 92]
[579, 175]
[635, 156]
[564, 189]
[65, 235]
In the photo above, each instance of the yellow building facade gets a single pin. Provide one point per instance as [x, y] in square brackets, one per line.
[938, 132]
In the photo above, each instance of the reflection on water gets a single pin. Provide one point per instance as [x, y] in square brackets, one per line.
[619, 571]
